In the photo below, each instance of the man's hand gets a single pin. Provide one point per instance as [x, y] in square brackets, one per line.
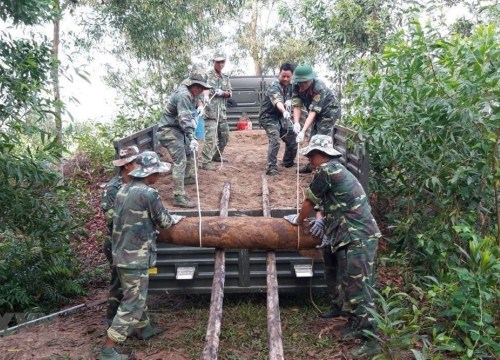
[292, 219]
[206, 99]
[193, 145]
[317, 227]
[201, 110]
[300, 137]
[286, 115]
[219, 92]
[296, 128]
[325, 242]
[176, 218]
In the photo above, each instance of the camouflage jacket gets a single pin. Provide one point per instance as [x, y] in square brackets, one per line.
[108, 199]
[346, 208]
[138, 210]
[217, 104]
[180, 112]
[317, 98]
[275, 93]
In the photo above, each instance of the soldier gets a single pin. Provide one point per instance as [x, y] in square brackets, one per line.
[274, 117]
[350, 227]
[126, 163]
[323, 109]
[138, 210]
[176, 132]
[216, 127]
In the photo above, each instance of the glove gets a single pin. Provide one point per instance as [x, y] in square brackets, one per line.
[300, 137]
[288, 104]
[286, 115]
[193, 145]
[176, 218]
[292, 219]
[325, 242]
[206, 99]
[201, 110]
[296, 128]
[317, 228]
[219, 92]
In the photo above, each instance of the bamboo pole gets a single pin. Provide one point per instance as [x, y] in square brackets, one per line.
[215, 318]
[274, 334]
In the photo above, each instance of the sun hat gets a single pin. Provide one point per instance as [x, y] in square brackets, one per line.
[323, 143]
[197, 76]
[303, 73]
[127, 155]
[149, 163]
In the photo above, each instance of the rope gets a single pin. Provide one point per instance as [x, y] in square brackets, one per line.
[298, 191]
[195, 155]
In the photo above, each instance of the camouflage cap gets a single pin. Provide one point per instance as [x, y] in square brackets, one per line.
[303, 73]
[219, 56]
[197, 76]
[149, 163]
[127, 155]
[323, 143]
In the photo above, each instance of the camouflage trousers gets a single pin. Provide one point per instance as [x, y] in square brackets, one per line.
[115, 293]
[177, 145]
[334, 272]
[275, 132]
[323, 126]
[216, 139]
[358, 280]
[132, 312]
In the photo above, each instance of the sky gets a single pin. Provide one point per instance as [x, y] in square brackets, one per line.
[97, 101]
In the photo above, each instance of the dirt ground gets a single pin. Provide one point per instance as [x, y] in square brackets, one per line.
[247, 156]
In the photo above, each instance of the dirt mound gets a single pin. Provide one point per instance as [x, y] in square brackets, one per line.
[247, 157]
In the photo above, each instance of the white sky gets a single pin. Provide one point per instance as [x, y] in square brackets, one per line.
[96, 100]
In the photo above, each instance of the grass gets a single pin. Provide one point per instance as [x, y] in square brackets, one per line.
[244, 327]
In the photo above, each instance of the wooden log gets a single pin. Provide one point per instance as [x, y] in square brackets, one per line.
[240, 233]
[274, 334]
[215, 317]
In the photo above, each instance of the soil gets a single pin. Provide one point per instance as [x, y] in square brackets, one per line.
[246, 155]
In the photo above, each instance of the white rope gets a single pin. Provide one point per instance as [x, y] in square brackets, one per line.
[298, 191]
[195, 155]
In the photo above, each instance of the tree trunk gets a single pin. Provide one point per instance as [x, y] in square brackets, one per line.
[55, 75]
[254, 38]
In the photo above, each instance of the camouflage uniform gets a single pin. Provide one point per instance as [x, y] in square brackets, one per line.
[176, 130]
[271, 119]
[320, 99]
[351, 228]
[216, 127]
[138, 210]
[115, 293]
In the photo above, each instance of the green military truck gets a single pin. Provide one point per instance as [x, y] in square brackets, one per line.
[183, 270]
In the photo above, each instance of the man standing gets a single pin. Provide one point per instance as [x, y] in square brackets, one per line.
[216, 127]
[176, 133]
[138, 210]
[349, 227]
[275, 116]
[323, 109]
[126, 164]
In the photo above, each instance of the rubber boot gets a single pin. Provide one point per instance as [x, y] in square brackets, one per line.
[334, 312]
[189, 181]
[208, 166]
[183, 201]
[148, 332]
[108, 353]
[272, 172]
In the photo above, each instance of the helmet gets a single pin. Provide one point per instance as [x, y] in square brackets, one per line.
[219, 56]
[303, 73]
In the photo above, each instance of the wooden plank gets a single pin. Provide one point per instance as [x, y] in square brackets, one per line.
[215, 318]
[274, 334]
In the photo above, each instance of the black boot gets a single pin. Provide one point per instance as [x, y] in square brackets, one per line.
[334, 312]
[306, 169]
